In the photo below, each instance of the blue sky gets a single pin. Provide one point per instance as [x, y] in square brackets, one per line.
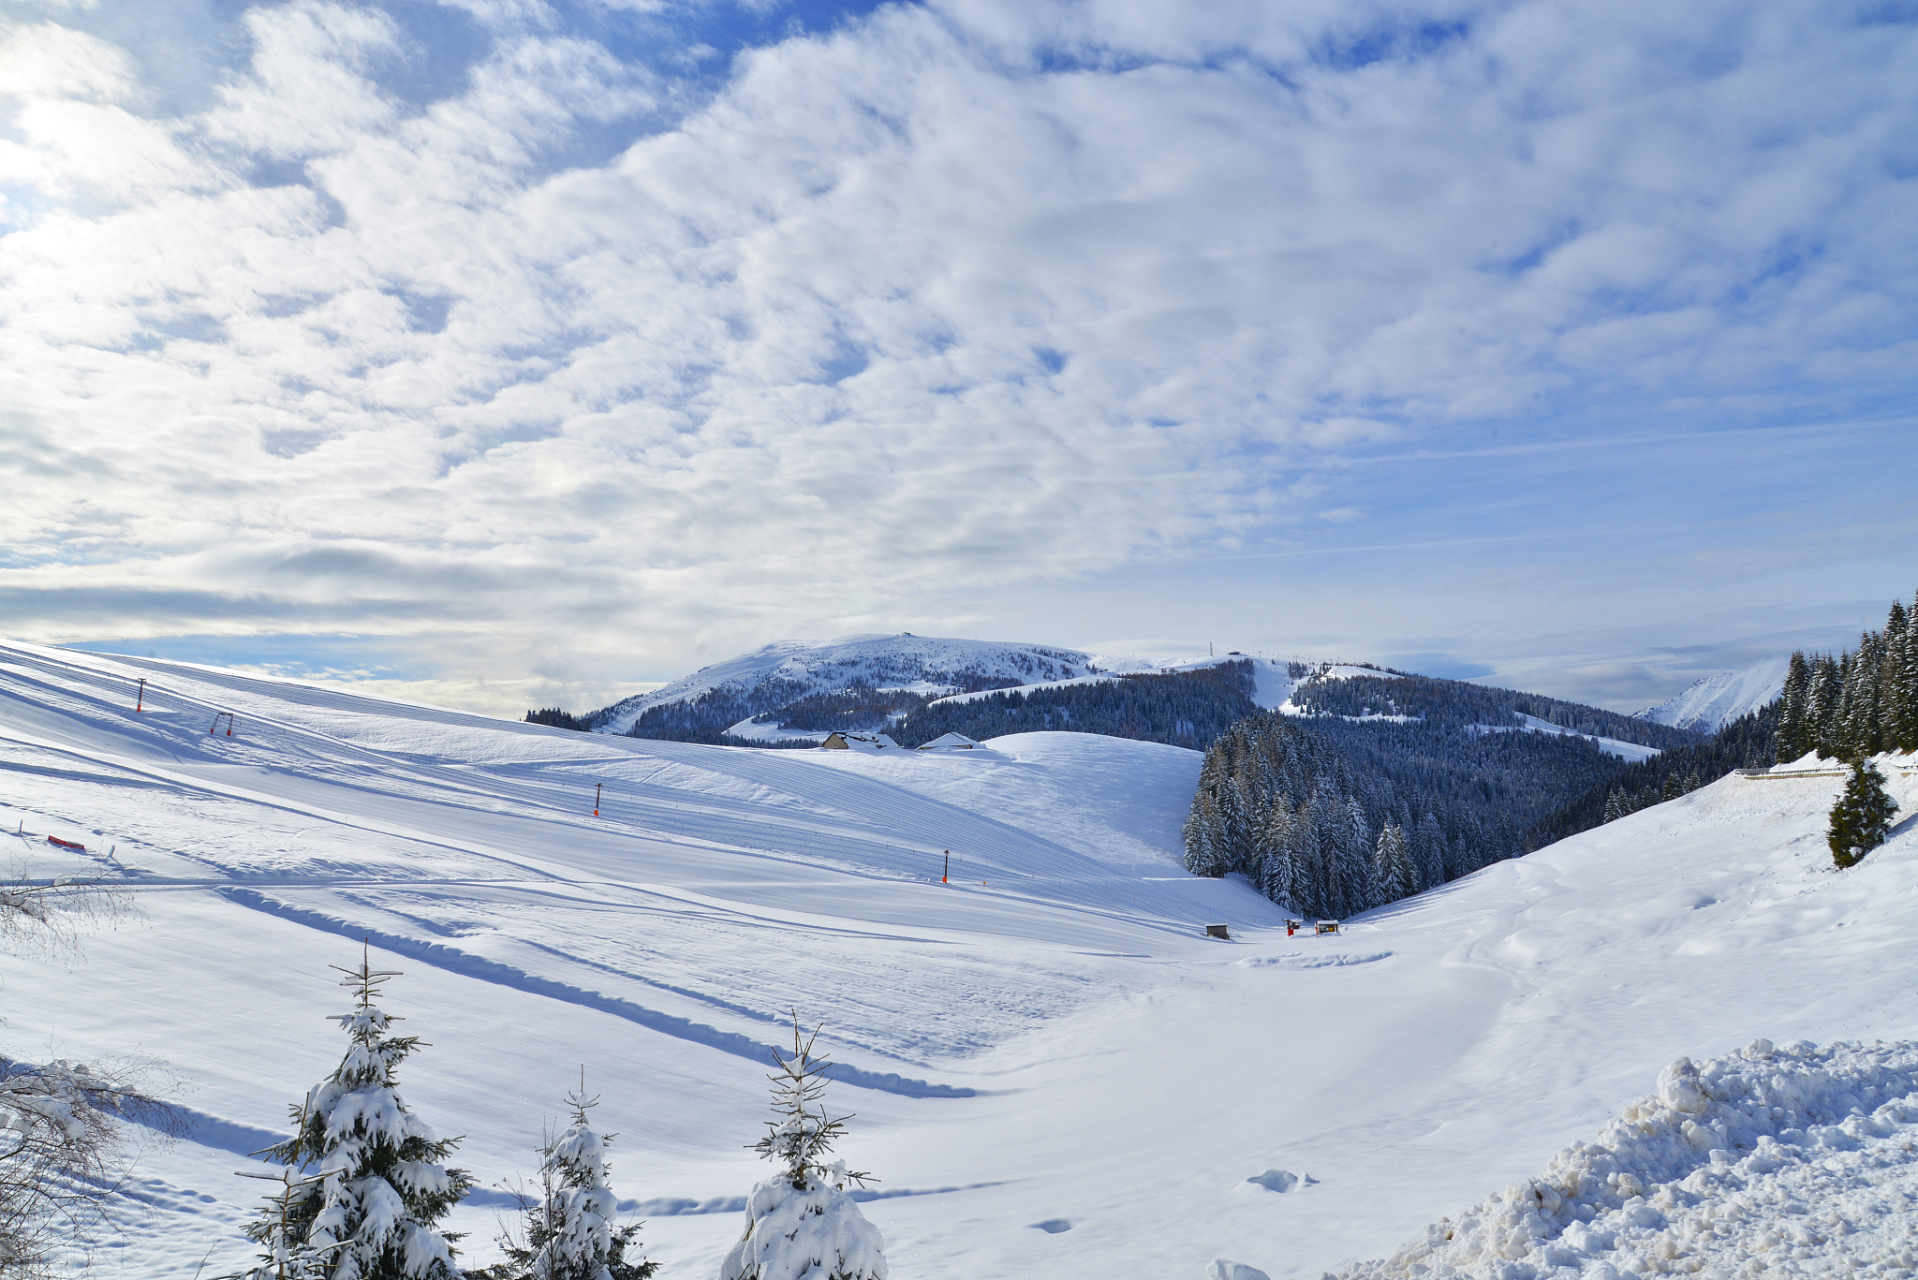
[505, 353]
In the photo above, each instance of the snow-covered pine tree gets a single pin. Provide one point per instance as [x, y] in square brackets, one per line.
[1908, 683]
[1821, 703]
[800, 1223]
[1428, 851]
[377, 1183]
[1279, 873]
[1861, 818]
[1354, 859]
[570, 1233]
[1203, 838]
[1793, 738]
[1394, 876]
[1891, 702]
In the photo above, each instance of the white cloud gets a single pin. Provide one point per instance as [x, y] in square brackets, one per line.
[949, 299]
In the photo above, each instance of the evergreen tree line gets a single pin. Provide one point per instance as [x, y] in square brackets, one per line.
[1859, 703]
[858, 708]
[557, 718]
[364, 1183]
[1185, 709]
[1453, 704]
[1333, 817]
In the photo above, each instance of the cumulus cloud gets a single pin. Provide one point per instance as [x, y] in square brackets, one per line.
[945, 300]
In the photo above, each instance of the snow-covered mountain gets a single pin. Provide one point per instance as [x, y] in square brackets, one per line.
[1054, 1071]
[1709, 704]
[788, 670]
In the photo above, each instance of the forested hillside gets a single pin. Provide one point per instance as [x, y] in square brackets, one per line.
[1452, 705]
[1183, 709]
[1393, 784]
[1336, 815]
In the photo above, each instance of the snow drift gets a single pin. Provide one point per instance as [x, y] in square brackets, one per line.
[1779, 1161]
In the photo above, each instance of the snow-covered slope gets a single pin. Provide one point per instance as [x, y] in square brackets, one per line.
[1709, 704]
[1633, 751]
[795, 668]
[1053, 1072]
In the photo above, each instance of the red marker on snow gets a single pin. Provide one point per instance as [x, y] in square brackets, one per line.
[596, 789]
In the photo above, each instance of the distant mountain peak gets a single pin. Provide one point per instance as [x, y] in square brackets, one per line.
[1712, 702]
[786, 670]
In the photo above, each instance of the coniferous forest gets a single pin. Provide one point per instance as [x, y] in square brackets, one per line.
[1394, 785]
[1858, 703]
[1336, 813]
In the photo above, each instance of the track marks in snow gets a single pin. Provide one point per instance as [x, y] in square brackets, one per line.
[468, 965]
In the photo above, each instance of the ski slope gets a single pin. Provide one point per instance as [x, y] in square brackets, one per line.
[1053, 1072]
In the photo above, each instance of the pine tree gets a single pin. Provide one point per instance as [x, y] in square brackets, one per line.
[1861, 819]
[1278, 874]
[800, 1223]
[374, 1183]
[1428, 852]
[1203, 838]
[1908, 684]
[1822, 704]
[1794, 739]
[570, 1233]
[1891, 691]
[1394, 876]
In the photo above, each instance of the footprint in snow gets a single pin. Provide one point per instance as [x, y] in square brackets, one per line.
[1053, 1226]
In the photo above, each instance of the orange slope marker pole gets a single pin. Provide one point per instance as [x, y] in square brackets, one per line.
[596, 790]
[140, 702]
[945, 877]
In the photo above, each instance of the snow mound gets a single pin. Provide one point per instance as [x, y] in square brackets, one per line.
[1793, 1161]
[814, 1232]
[1220, 1269]
[1710, 704]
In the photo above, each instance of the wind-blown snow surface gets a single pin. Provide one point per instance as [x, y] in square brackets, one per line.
[1711, 703]
[1053, 1073]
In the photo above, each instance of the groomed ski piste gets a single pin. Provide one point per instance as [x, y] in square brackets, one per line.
[1053, 1073]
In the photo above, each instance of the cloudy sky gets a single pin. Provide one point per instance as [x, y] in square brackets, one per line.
[502, 352]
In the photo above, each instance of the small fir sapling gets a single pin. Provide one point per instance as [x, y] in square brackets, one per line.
[1861, 818]
[364, 1182]
[570, 1233]
[800, 1223]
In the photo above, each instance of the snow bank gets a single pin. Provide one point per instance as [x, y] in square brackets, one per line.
[1794, 1161]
